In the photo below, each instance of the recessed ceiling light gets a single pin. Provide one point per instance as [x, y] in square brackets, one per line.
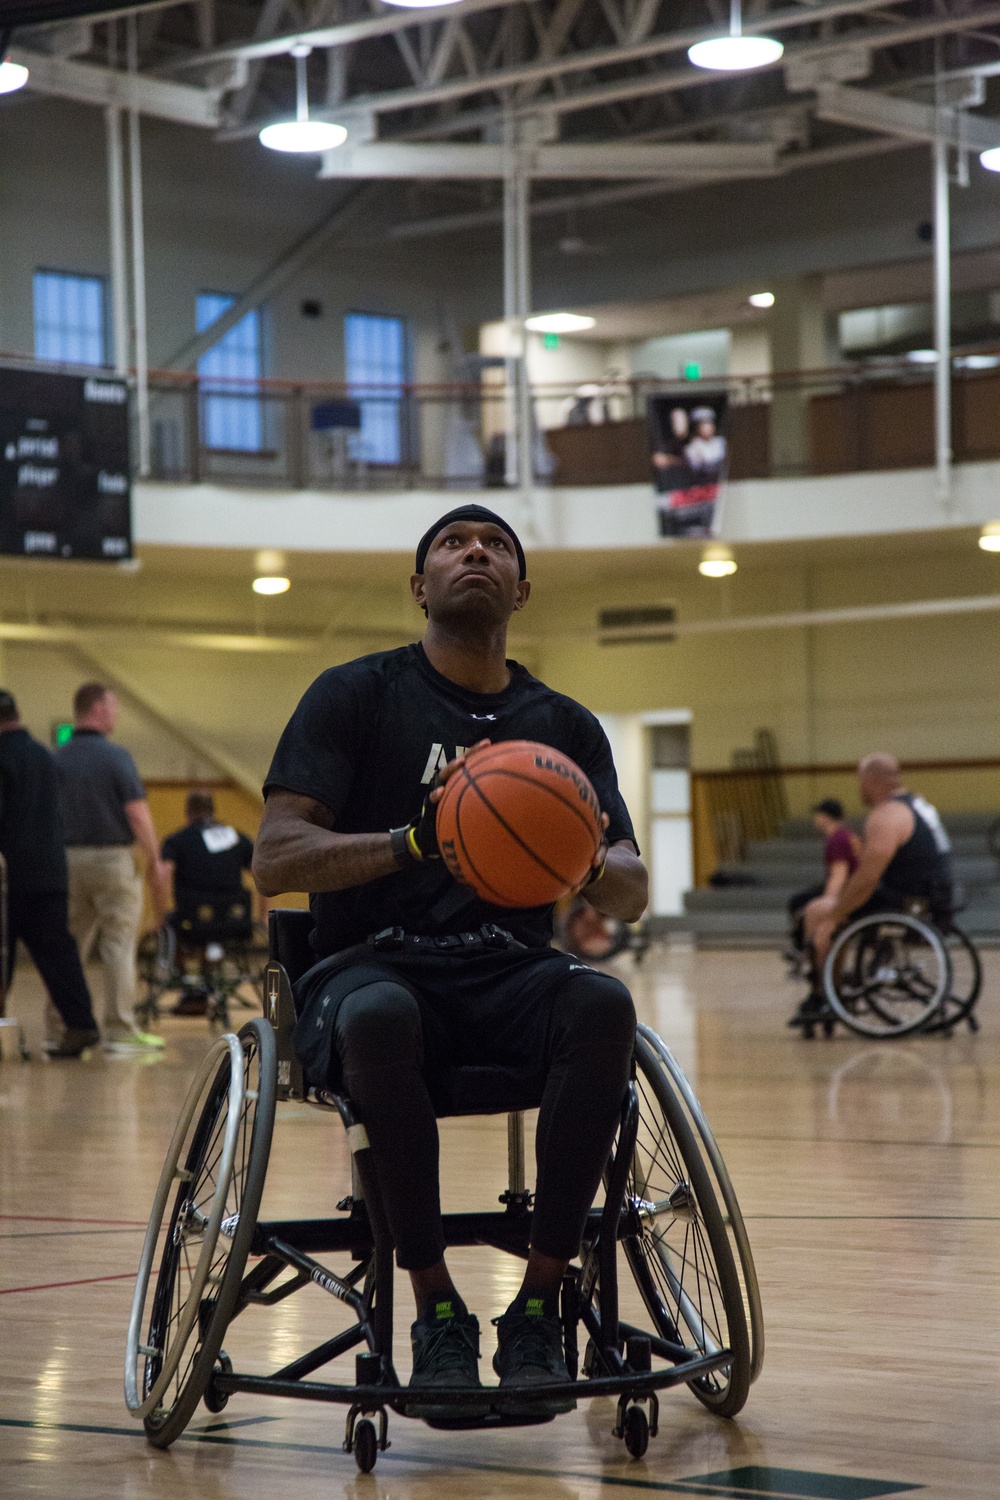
[922, 356]
[990, 539]
[12, 76]
[761, 299]
[271, 585]
[735, 54]
[977, 361]
[989, 159]
[559, 322]
[717, 562]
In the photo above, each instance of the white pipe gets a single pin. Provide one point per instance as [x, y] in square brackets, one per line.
[138, 265]
[942, 324]
[116, 237]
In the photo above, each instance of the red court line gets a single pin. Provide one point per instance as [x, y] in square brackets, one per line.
[50, 1286]
[54, 1219]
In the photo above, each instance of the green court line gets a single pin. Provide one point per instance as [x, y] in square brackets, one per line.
[762, 1479]
[734, 1484]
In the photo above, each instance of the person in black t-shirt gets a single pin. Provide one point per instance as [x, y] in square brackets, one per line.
[207, 860]
[31, 842]
[351, 801]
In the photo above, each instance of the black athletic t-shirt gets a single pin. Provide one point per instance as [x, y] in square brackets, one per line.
[208, 858]
[366, 741]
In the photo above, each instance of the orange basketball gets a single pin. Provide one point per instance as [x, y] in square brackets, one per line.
[519, 823]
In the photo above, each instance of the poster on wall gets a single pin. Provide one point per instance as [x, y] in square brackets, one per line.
[65, 482]
[687, 437]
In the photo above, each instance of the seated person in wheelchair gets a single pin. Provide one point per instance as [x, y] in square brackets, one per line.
[905, 857]
[350, 817]
[212, 906]
[841, 850]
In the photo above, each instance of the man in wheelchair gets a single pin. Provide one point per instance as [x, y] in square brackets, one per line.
[212, 906]
[905, 857]
[415, 975]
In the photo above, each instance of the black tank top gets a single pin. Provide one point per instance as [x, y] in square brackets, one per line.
[922, 866]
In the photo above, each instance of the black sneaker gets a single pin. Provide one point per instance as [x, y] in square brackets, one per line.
[530, 1356]
[813, 1008]
[445, 1355]
[74, 1041]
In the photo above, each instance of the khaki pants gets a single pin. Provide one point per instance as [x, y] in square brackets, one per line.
[105, 910]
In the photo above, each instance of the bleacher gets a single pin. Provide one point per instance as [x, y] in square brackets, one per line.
[752, 911]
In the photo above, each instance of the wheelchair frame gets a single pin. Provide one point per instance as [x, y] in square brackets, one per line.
[618, 1359]
[162, 976]
[944, 1009]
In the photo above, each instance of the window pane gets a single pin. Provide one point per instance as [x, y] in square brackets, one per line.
[232, 415]
[375, 358]
[69, 317]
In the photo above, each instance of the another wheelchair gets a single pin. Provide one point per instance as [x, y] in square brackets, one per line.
[892, 974]
[687, 1313]
[208, 953]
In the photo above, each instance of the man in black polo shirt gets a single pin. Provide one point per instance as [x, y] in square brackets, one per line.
[31, 841]
[106, 814]
[350, 816]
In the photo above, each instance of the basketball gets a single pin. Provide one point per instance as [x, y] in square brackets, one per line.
[520, 823]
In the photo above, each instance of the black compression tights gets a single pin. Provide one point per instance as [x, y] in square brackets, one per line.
[585, 1034]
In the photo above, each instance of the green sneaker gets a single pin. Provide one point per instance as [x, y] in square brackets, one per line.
[445, 1355]
[530, 1357]
[138, 1043]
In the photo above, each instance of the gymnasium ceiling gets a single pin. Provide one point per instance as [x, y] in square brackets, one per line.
[582, 71]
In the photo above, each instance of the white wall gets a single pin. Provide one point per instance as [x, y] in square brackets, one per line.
[611, 516]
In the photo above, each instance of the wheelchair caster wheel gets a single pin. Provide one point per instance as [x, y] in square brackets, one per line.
[214, 1399]
[829, 1028]
[636, 1432]
[365, 1445]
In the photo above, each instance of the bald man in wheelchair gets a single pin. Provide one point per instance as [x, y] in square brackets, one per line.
[905, 857]
[416, 975]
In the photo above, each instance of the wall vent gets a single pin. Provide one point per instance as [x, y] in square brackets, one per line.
[625, 627]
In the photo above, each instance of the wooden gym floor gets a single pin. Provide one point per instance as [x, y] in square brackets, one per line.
[868, 1174]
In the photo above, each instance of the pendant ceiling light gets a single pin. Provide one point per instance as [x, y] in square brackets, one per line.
[302, 134]
[735, 53]
[12, 76]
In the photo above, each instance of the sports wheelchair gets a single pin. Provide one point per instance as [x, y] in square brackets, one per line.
[891, 974]
[690, 1314]
[209, 952]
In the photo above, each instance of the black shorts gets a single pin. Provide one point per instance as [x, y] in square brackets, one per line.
[479, 1010]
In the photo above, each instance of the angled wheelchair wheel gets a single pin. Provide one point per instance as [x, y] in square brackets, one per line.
[200, 1229]
[723, 1184]
[966, 982]
[887, 976]
[682, 1261]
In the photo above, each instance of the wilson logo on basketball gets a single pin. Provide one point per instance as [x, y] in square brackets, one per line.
[573, 774]
[519, 823]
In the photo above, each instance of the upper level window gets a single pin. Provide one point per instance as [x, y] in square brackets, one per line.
[69, 318]
[232, 416]
[375, 360]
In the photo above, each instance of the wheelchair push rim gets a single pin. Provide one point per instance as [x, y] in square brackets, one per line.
[682, 1262]
[875, 980]
[733, 1214]
[202, 1197]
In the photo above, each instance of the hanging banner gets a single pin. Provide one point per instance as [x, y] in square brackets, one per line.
[687, 435]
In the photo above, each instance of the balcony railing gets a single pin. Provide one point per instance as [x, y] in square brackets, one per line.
[876, 415]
